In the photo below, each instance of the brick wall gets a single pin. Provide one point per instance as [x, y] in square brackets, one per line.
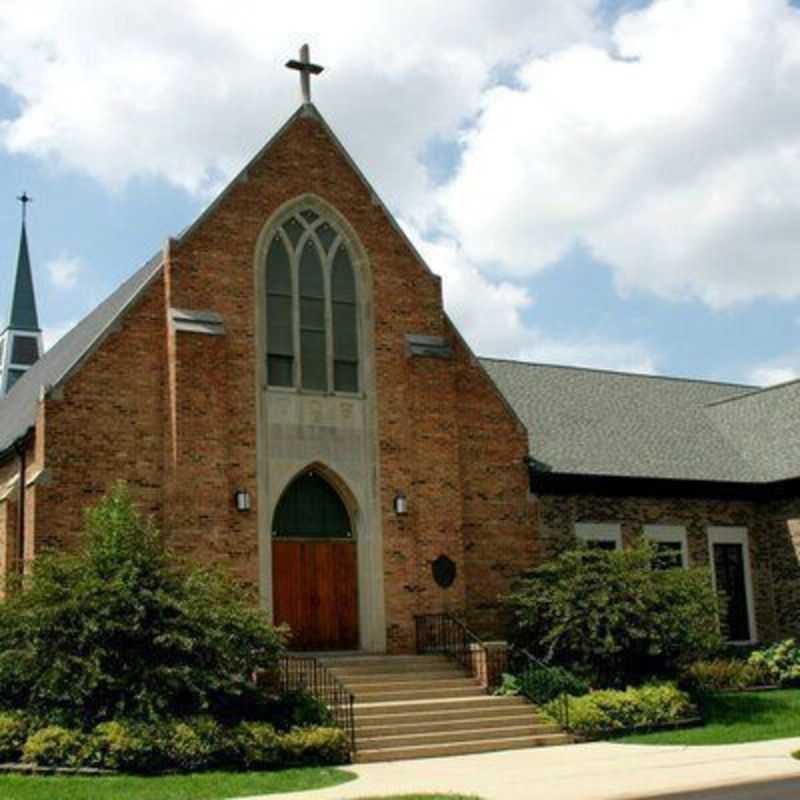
[557, 516]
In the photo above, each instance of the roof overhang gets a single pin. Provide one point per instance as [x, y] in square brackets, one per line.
[555, 483]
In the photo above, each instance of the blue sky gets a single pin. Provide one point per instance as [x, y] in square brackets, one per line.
[548, 254]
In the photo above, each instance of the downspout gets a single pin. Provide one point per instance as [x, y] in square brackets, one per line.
[21, 459]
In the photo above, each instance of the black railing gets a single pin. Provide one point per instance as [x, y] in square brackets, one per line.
[446, 634]
[309, 674]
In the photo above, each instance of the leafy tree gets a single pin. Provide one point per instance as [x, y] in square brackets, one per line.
[610, 614]
[122, 629]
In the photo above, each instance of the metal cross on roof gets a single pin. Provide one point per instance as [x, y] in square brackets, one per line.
[306, 70]
[24, 198]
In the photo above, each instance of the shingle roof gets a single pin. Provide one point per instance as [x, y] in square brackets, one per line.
[764, 426]
[593, 422]
[18, 408]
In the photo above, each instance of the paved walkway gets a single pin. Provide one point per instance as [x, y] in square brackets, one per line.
[599, 771]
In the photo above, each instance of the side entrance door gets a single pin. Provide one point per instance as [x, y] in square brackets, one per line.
[731, 564]
[314, 567]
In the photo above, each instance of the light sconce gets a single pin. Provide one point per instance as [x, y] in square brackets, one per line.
[242, 499]
[400, 504]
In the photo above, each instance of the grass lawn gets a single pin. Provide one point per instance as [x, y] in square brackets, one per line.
[736, 718]
[201, 786]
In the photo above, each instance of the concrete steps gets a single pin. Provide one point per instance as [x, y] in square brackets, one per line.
[425, 706]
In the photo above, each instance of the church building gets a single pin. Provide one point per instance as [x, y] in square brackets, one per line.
[284, 393]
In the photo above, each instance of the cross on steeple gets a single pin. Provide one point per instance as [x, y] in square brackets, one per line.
[24, 199]
[306, 70]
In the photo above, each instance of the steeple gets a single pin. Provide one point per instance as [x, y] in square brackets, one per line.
[21, 341]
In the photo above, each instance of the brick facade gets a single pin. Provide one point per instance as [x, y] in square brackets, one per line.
[176, 415]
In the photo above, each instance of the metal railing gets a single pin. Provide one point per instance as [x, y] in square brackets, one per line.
[446, 634]
[309, 674]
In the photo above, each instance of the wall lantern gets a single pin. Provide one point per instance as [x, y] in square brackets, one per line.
[242, 499]
[400, 504]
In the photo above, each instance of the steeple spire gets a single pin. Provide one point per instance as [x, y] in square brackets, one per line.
[21, 340]
[23, 314]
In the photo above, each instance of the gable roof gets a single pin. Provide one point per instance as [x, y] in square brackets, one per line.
[610, 424]
[18, 408]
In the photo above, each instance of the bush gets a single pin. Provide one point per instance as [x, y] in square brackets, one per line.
[296, 709]
[194, 744]
[13, 733]
[127, 747]
[314, 746]
[253, 745]
[543, 684]
[121, 630]
[608, 711]
[780, 661]
[509, 686]
[610, 613]
[55, 746]
[704, 677]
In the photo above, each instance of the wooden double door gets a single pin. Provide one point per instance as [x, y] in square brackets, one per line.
[315, 592]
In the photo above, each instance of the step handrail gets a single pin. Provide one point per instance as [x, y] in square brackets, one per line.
[447, 634]
[309, 674]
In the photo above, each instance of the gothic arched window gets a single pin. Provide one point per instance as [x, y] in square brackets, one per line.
[310, 508]
[312, 307]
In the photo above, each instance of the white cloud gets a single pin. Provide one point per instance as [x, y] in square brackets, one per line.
[64, 271]
[491, 315]
[676, 160]
[775, 372]
[187, 91]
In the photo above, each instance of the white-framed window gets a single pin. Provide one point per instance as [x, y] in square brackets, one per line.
[600, 535]
[672, 548]
[729, 555]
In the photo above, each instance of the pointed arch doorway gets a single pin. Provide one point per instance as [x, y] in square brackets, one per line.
[314, 566]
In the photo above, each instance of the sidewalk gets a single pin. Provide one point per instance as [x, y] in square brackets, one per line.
[599, 771]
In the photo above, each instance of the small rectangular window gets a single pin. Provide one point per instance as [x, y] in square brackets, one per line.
[600, 535]
[671, 546]
[25, 350]
[13, 376]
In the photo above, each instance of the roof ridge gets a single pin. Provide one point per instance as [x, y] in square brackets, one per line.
[626, 373]
[758, 391]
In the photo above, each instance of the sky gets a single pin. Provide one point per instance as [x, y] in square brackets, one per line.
[602, 183]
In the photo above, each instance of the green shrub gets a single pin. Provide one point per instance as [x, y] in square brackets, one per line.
[314, 746]
[295, 709]
[13, 733]
[509, 686]
[253, 745]
[543, 684]
[127, 747]
[55, 746]
[780, 661]
[608, 710]
[718, 675]
[611, 614]
[194, 744]
[122, 630]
